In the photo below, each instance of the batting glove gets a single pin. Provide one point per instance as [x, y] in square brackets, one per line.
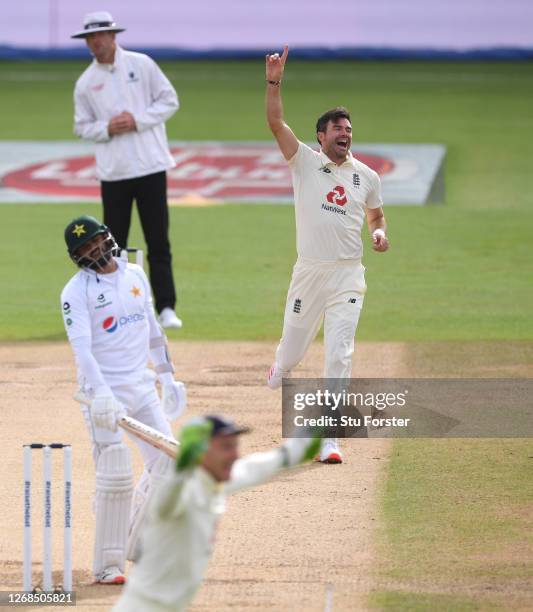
[105, 409]
[194, 440]
[174, 399]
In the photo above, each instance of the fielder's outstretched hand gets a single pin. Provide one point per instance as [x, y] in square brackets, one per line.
[275, 65]
[194, 440]
[301, 450]
[313, 448]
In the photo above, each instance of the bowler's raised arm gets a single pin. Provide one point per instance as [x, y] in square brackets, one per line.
[287, 141]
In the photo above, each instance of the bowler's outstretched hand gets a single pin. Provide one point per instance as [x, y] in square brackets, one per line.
[275, 65]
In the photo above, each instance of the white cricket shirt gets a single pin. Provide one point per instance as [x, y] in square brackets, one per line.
[330, 204]
[113, 310]
[179, 532]
[134, 83]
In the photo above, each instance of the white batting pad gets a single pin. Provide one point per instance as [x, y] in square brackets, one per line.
[143, 493]
[114, 489]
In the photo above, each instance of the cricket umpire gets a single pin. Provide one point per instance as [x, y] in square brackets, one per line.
[333, 194]
[110, 323]
[121, 102]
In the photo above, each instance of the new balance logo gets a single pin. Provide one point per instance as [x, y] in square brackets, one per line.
[356, 180]
[297, 305]
[325, 170]
[352, 300]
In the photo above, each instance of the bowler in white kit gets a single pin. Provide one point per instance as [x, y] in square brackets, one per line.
[110, 323]
[333, 195]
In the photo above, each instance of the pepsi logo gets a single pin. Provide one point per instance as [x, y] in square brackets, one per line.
[110, 325]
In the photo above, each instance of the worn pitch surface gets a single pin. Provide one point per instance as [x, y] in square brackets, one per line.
[304, 539]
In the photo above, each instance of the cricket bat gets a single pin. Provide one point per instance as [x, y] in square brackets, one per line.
[164, 443]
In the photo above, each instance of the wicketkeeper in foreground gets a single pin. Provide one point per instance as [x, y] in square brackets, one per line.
[181, 517]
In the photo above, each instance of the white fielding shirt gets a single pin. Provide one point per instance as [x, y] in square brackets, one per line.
[113, 312]
[133, 83]
[330, 204]
[179, 532]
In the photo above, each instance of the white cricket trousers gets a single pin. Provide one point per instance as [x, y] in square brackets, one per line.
[114, 474]
[329, 291]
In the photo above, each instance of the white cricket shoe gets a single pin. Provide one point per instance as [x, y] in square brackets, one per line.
[168, 319]
[329, 452]
[111, 575]
[275, 376]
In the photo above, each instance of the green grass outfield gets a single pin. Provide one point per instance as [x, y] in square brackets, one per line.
[457, 532]
[448, 276]
[459, 272]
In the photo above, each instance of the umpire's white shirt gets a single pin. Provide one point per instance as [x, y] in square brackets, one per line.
[330, 204]
[133, 83]
[113, 310]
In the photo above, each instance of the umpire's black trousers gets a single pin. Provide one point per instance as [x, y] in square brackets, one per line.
[150, 193]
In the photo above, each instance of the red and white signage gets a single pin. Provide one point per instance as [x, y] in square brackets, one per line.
[230, 172]
[205, 172]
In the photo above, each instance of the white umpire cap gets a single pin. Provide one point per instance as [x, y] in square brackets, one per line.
[101, 21]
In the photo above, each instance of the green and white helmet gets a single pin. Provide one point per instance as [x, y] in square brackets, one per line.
[82, 229]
